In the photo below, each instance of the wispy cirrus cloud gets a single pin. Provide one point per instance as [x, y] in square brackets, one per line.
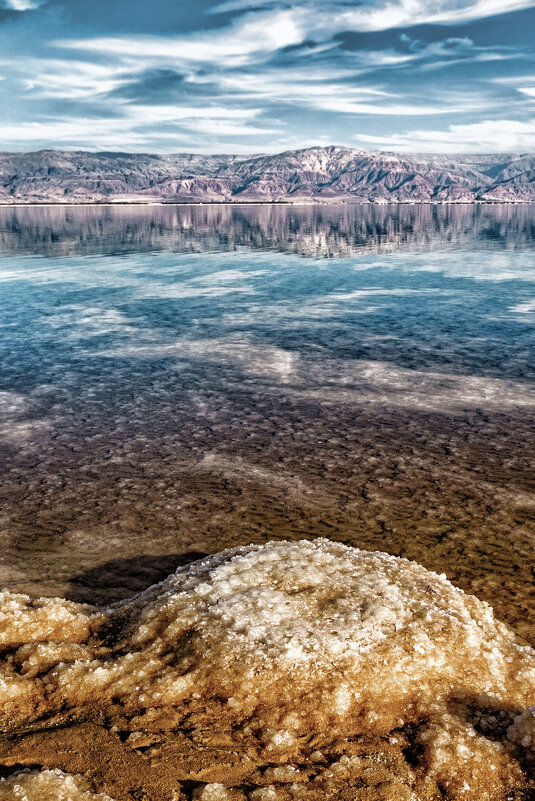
[380, 15]
[342, 98]
[127, 128]
[486, 136]
[252, 37]
[45, 77]
[251, 76]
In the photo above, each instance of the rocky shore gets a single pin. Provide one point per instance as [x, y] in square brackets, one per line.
[294, 670]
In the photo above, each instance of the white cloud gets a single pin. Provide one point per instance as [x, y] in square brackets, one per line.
[226, 128]
[236, 60]
[455, 50]
[178, 113]
[129, 130]
[385, 15]
[311, 89]
[488, 136]
[343, 103]
[254, 35]
[514, 80]
[48, 77]
[525, 84]
[379, 15]
[82, 132]
[234, 68]
[21, 5]
[257, 34]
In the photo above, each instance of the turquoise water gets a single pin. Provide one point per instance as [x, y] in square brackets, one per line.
[79, 322]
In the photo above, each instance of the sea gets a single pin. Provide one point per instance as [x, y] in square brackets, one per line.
[175, 380]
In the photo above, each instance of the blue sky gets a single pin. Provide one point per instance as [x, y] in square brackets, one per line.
[249, 76]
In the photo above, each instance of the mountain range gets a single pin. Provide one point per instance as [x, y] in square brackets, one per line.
[314, 175]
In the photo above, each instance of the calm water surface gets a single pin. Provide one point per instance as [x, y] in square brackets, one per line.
[176, 380]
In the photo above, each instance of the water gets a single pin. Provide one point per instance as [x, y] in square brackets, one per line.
[175, 380]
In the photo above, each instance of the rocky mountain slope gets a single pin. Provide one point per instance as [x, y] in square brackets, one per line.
[318, 174]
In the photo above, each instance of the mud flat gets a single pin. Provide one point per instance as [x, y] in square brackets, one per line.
[293, 670]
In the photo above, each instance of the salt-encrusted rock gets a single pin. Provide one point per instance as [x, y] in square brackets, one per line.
[283, 644]
[47, 785]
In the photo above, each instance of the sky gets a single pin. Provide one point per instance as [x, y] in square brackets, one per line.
[257, 76]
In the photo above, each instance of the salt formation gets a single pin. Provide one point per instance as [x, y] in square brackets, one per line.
[286, 648]
[47, 785]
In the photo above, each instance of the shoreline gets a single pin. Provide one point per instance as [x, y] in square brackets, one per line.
[149, 203]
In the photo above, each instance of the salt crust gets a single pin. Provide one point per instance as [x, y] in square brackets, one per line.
[277, 643]
[211, 792]
[47, 785]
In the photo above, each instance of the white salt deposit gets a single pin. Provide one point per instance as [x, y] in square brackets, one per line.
[280, 642]
[211, 792]
[47, 785]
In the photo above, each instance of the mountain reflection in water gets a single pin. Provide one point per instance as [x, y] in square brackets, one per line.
[328, 231]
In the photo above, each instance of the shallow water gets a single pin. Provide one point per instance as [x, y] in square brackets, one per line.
[177, 380]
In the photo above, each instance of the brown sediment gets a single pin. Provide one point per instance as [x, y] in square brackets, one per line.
[180, 766]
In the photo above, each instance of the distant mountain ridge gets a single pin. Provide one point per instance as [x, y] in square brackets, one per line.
[314, 175]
